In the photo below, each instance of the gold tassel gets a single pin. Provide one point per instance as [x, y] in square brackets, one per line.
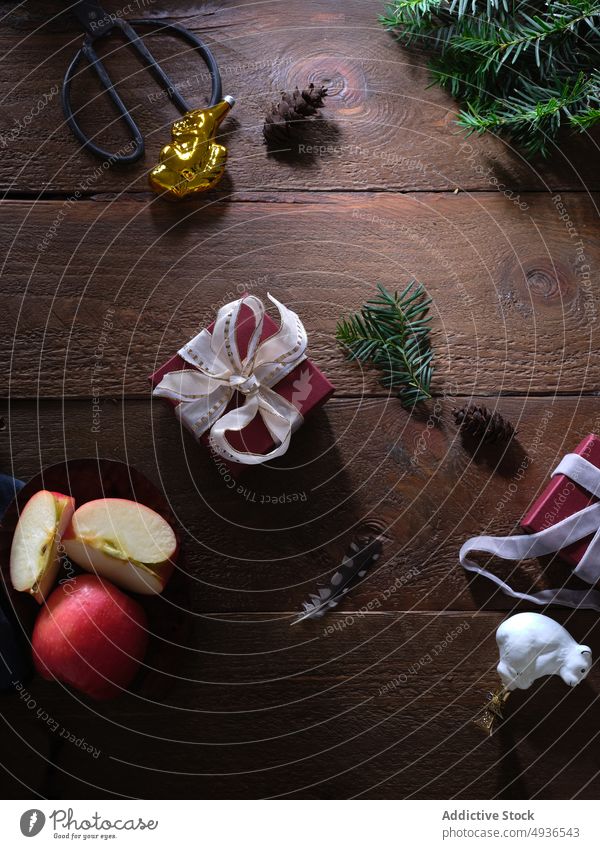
[492, 711]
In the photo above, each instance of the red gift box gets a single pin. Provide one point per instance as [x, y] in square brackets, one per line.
[306, 387]
[562, 498]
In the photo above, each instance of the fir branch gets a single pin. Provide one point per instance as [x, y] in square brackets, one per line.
[524, 68]
[531, 117]
[392, 332]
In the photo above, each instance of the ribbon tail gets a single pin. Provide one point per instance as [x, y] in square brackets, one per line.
[279, 416]
[548, 541]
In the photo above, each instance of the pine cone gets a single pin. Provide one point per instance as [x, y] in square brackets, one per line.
[286, 117]
[481, 424]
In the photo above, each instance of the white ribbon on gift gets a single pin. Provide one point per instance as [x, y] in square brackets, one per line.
[219, 372]
[552, 539]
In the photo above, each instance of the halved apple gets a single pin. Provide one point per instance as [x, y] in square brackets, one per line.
[124, 541]
[35, 556]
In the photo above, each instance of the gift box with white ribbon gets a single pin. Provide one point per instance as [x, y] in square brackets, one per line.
[244, 385]
[564, 520]
[564, 496]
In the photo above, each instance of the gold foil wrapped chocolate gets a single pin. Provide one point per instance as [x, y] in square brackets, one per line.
[193, 161]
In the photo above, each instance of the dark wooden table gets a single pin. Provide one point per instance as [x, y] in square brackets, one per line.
[101, 282]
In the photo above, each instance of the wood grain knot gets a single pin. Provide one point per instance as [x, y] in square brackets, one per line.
[544, 282]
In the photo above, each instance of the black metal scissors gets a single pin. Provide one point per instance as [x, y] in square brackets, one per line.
[97, 23]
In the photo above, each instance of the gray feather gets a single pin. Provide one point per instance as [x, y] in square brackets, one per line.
[361, 554]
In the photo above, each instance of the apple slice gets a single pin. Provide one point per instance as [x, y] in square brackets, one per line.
[35, 556]
[124, 541]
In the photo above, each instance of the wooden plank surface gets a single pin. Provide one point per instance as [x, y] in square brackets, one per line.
[385, 129]
[380, 708]
[101, 282]
[263, 543]
[122, 286]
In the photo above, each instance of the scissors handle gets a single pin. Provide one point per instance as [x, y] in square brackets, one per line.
[87, 51]
[136, 141]
[171, 89]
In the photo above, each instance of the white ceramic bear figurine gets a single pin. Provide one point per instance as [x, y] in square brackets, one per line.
[532, 645]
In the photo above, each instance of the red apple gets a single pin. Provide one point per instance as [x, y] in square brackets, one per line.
[34, 556]
[124, 541]
[90, 635]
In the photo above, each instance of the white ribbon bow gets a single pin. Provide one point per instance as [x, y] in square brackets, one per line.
[554, 538]
[219, 371]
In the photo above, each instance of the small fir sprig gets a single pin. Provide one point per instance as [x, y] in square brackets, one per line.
[523, 68]
[392, 332]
